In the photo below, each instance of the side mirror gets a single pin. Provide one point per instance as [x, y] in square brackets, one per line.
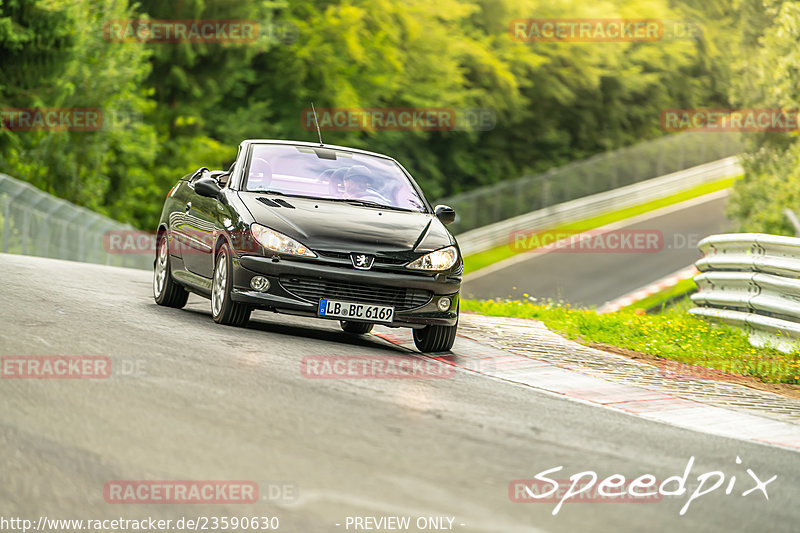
[208, 187]
[445, 214]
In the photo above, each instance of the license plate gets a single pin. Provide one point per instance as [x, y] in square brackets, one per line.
[351, 311]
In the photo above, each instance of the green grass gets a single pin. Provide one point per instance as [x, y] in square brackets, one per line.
[483, 259]
[659, 300]
[673, 335]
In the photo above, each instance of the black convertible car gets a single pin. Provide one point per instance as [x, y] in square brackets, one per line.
[312, 230]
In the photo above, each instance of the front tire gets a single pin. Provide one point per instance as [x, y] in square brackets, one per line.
[357, 328]
[431, 339]
[166, 291]
[223, 309]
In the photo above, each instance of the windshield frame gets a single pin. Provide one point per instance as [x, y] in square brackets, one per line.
[241, 184]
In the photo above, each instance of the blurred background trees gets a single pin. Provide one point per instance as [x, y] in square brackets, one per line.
[172, 107]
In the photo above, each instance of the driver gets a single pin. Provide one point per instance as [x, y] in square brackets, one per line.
[260, 175]
[356, 182]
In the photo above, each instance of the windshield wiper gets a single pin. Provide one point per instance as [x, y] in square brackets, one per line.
[286, 194]
[367, 203]
[354, 201]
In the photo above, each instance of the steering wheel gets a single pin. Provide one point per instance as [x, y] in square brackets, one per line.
[373, 196]
[336, 183]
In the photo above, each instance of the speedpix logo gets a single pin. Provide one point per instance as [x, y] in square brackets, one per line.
[617, 488]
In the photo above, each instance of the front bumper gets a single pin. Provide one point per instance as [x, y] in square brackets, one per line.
[285, 275]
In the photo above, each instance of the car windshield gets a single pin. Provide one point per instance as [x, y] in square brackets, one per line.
[330, 174]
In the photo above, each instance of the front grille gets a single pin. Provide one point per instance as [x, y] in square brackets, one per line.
[336, 255]
[378, 260]
[314, 290]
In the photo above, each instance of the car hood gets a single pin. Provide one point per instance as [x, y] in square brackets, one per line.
[341, 226]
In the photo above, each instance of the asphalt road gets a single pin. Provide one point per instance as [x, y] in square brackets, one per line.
[209, 402]
[592, 279]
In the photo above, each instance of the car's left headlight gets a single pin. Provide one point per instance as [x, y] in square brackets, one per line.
[439, 260]
[278, 242]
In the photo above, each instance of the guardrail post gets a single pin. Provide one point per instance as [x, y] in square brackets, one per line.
[545, 192]
[793, 221]
[45, 235]
[703, 150]
[67, 241]
[24, 231]
[6, 223]
[615, 176]
[81, 244]
[102, 237]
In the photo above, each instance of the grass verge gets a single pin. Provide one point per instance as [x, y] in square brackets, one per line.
[659, 301]
[672, 336]
[488, 257]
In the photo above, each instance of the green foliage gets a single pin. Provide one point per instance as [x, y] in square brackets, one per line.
[192, 103]
[57, 57]
[771, 79]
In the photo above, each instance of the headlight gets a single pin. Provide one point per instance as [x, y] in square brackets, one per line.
[278, 242]
[439, 260]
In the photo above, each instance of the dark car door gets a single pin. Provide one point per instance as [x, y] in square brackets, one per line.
[200, 221]
[180, 232]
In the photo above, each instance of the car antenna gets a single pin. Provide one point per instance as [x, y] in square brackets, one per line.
[319, 133]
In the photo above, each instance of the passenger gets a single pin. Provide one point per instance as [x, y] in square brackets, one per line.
[357, 181]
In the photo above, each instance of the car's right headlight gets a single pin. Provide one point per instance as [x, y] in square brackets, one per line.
[442, 259]
[278, 242]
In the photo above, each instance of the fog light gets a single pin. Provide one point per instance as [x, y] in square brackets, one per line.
[444, 304]
[259, 283]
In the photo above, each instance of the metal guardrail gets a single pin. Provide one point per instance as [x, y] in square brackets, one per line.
[498, 234]
[750, 280]
[33, 222]
[602, 172]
